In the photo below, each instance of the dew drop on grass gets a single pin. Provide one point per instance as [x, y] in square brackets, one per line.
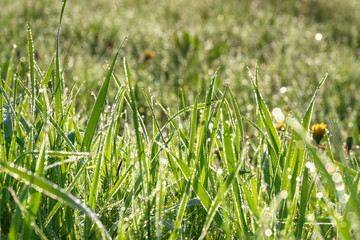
[336, 177]
[268, 232]
[319, 195]
[340, 186]
[284, 194]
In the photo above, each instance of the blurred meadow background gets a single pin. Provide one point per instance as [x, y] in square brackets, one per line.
[173, 50]
[294, 43]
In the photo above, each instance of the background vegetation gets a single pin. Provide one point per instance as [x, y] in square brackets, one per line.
[161, 146]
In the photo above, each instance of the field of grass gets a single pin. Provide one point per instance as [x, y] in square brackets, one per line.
[141, 119]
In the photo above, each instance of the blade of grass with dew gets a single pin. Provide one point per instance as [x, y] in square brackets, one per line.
[160, 201]
[227, 141]
[191, 150]
[144, 166]
[58, 87]
[218, 199]
[2, 136]
[31, 145]
[96, 179]
[303, 203]
[98, 106]
[265, 116]
[238, 117]
[53, 191]
[155, 146]
[35, 196]
[202, 137]
[118, 121]
[9, 72]
[16, 217]
[182, 207]
[32, 70]
[307, 117]
[288, 162]
[249, 198]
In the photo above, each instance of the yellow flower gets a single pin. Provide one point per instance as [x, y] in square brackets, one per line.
[148, 54]
[318, 132]
[280, 126]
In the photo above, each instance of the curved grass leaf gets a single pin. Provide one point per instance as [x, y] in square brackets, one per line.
[307, 117]
[98, 106]
[266, 117]
[52, 190]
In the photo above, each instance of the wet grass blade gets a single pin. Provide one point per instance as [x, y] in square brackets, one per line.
[307, 117]
[266, 117]
[53, 191]
[98, 106]
[218, 199]
[2, 132]
[58, 86]
[32, 70]
[35, 197]
[238, 117]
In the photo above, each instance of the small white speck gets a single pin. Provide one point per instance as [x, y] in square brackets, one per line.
[283, 90]
[268, 232]
[318, 36]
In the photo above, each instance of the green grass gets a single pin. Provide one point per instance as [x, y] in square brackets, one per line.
[167, 147]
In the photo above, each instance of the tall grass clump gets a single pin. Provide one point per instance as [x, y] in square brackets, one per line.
[207, 171]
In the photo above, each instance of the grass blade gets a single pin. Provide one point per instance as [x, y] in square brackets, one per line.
[98, 106]
[307, 117]
[218, 199]
[53, 191]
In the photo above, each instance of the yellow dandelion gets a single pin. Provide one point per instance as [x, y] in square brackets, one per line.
[148, 54]
[318, 132]
[280, 126]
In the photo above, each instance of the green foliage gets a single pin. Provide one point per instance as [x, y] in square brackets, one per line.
[148, 163]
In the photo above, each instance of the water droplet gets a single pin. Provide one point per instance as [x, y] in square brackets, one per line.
[340, 186]
[336, 177]
[268, 232]
[318, 36]
[284, 194]
[319, 195]
[283, 90]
